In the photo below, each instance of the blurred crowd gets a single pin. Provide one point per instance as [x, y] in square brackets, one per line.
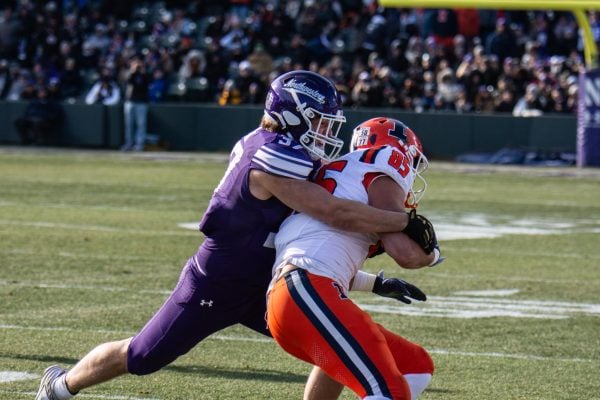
[227, 52]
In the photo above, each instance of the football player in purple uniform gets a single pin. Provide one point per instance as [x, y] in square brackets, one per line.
[266, 178]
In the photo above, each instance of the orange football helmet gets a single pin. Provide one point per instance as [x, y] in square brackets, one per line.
[382, 131]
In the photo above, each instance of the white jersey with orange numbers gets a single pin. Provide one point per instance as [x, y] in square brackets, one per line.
[323, 250]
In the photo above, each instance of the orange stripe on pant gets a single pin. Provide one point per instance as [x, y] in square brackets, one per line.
[311, 318]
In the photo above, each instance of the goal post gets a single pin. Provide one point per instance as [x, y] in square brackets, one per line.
[588, 110]
[566, 5]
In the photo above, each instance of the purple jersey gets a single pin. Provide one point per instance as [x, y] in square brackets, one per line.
[239, 228]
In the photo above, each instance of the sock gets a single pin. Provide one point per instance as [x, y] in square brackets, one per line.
[417, 383]
[60, 389]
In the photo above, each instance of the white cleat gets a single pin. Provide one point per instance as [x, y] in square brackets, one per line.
[51, 374]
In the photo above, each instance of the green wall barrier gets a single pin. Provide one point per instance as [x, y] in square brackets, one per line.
[208, 127]
[83, 125]
[9, 111]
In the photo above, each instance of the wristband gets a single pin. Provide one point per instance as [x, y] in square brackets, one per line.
[363, 281]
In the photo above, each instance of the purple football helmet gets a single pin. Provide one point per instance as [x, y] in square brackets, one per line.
[307, 106]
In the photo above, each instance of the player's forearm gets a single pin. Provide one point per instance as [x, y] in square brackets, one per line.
[317, 202]
[357, 217]
[406, 252]
[347, 215]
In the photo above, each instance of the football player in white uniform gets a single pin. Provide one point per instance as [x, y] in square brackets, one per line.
[309, 313]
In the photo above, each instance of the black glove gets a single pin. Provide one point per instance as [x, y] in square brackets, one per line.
[397, 289]
[420, 229]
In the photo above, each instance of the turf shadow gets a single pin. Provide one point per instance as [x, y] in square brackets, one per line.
[241, 374]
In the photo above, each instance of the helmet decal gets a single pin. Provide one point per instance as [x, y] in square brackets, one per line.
[362, 136]
[399, 133]
[290, 118]
[302, 88]
[373, 139]
[269, 100]
[307, 106]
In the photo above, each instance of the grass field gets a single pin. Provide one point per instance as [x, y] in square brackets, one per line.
[91, 244]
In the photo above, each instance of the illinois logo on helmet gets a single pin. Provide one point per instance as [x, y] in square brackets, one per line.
[382, 131]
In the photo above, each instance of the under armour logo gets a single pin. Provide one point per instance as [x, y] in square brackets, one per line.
[206, 303]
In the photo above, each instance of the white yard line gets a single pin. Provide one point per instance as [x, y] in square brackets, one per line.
[98, 228]
[66, 254]
[463, 277]
[72, 206]
[467, 307]
[82, 287]
[456, 306]
[585, 256]
[459, 227]
[528, 357]
[83, 395]
[14, 376]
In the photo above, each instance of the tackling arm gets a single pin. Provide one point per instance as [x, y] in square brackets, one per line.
[312, 199]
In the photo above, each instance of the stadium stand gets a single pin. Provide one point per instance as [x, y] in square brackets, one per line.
[226, 52]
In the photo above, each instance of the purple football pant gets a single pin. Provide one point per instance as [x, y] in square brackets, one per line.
[197, 308]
